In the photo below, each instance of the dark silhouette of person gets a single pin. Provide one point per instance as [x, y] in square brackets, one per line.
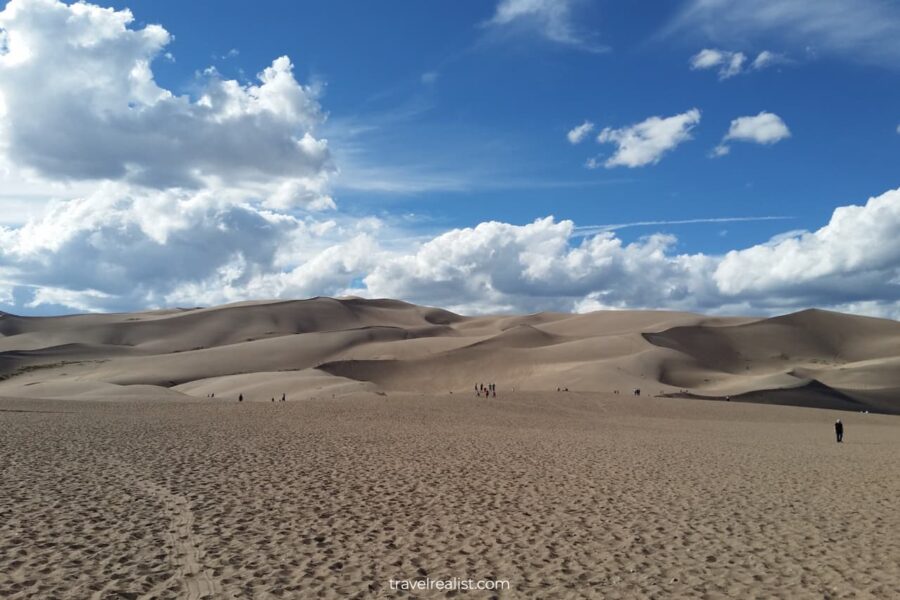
[283, 397]
[839, 430]
[241, 398]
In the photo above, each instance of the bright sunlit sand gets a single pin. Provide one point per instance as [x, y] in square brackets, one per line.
[563, 495]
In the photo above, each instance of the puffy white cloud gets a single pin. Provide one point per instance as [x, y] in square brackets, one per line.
[499, 266]
[646, 142]
[852, 263]
[149, 248]
[729, 63]
[854, 258]
[200, 248]
[81, 103]
[552, 19]
[578, 133]
[863, 30]
[765, 128]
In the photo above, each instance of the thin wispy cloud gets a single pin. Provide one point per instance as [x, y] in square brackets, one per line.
[586, 230]
[861, 31]
[577, 134]
[551, 19]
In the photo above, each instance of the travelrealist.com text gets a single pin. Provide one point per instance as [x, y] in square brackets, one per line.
[451, 584]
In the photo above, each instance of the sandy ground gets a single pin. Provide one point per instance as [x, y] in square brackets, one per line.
[563, 495]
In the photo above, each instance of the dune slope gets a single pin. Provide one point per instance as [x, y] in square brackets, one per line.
[334, 345]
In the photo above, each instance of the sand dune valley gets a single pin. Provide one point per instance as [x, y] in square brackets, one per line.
[131, 470]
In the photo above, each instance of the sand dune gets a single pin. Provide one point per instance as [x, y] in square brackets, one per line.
[811, 358]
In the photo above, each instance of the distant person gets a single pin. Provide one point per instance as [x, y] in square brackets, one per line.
[241, 398]
[273, 398]
[283, 397]
[839, 431]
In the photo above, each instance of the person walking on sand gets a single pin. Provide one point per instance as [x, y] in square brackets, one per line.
[839, 431]
[241, 398]
[283, 397]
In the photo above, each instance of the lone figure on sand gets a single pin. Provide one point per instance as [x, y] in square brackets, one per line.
[839, 431]
[241, 398]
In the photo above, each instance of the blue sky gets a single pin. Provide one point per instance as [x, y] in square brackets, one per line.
[442, 116]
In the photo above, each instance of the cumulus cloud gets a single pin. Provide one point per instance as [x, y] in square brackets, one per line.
[729, 63]
[231, 251]
[216, 192]
[578, 133]
[552, 19]
[852, 263]
[499, 266]
[81, 103]
[646, 142]
[863, 31]
[149, 247]
[765, 128]
[855, 258]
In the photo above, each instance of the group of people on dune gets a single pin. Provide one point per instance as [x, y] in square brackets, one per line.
[283, 398]
[488, 391]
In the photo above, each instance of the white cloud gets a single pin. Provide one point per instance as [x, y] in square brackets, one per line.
[190, 248]
[578, 133]
[854, 258]
[499, 266]
[852, 263]
[765, 128]
[81, 103]
[149, 247]
[552, 19]
[646, 142]
[729, 63]
[766, 59]
[863, 30]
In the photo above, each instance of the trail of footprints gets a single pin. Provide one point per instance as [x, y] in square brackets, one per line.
[197, 580]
